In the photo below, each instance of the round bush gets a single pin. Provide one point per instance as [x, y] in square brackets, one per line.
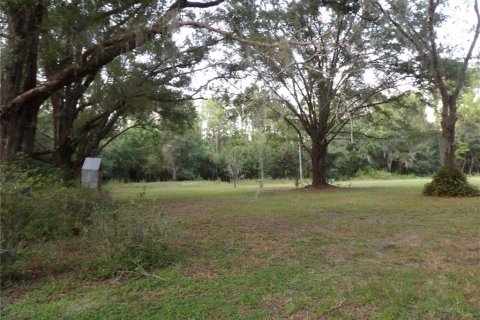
[450, 182]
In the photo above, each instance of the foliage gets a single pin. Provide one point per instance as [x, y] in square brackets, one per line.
[125, 243]
[468, 139]
[235, 162]
[418, 25]
[36, 206]
[316, 76]
[372, 174]
[345, 161]
[396, 138]
[450, 182]
[71, 53]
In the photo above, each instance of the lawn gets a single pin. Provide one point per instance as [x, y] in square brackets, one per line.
[365, 250]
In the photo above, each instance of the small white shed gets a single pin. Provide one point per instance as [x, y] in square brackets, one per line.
[92, 173]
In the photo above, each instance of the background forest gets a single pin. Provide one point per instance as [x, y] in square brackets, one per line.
[398, 140]
[343, 83]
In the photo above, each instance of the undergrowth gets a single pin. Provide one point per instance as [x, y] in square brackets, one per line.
[125, 241]
[38, 207]
[369, 174]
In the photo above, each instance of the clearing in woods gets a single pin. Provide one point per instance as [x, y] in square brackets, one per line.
[372, 250]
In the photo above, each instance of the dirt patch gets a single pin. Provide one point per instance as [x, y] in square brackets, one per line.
[257, 238]
[411, 240]
[186, 208]
[328, 214]
[277, 304]
[335, 253]
[81, 304]
[151, 296]
[303, 315]
[200, 271]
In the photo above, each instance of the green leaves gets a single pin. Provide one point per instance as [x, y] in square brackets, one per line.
[450, 182]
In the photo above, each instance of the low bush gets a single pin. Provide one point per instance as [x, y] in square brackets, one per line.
[36, 206]
[450, 182]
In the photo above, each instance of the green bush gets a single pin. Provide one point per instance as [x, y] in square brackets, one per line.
[450, 182]
[36, 206]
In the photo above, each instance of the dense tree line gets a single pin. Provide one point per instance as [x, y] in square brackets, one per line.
[398, 139]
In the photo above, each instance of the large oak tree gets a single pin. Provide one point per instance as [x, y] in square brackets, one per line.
[321, 81]
[22, 95]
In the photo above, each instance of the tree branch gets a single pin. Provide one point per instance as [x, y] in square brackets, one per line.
[463, 72]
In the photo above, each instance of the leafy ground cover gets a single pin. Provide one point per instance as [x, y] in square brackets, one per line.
[365, 250]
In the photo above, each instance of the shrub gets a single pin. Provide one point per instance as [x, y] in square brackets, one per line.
[36, 206]
[450, 182]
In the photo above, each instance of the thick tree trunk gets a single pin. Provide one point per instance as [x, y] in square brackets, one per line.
[19, 73]
[319, 164]
[18, 132]
[64, 115]
[449, 119]
[65, 112]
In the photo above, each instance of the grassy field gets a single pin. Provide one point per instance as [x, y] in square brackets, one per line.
[367, 250]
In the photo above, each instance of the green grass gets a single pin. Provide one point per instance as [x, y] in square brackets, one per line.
[369, 250]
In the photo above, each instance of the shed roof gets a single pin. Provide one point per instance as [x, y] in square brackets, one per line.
[92, 164]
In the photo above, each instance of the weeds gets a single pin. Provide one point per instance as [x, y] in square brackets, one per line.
[38, 208]
[125, 241]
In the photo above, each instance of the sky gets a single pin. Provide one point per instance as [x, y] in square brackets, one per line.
[457, 31]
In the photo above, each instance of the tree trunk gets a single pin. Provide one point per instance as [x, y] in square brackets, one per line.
[464, 163]
[65, 112]
[449, 119]
[300, 165]
[260, 163]
[19, 74]
[18, 132]
[389, 162]
[216, 140]
[174, 173]
[63, 119]
[319, 164]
